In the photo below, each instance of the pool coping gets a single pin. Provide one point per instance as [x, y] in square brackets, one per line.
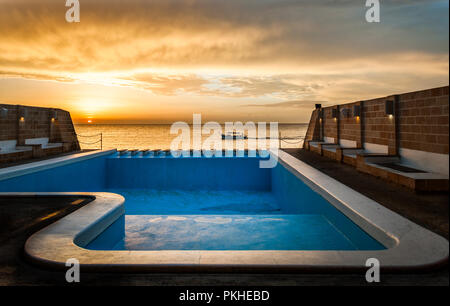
[409, 246]
[14, 171]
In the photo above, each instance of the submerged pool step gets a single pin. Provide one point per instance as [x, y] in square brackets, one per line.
[223, 232]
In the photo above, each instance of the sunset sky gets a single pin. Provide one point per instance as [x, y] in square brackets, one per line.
[139, 61]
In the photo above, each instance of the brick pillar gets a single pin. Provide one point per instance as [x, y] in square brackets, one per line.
[359, 139]
[361, 123]
[20, 126]
[395, 149]
[338, 134]
[321, 123]
[393, 131]
[53, 134]
[50, 125]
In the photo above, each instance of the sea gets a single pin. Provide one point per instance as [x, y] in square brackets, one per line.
[158, 136]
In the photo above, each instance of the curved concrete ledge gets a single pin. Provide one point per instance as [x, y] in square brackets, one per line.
[10, 172]
[409, 246]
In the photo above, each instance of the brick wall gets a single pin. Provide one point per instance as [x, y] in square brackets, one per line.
[420, 122]
[423, 120]
[8, 124]
[37, 123]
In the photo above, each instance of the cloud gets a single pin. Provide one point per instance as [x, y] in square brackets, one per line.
[118, 35]
[280, 52]
[289, 104]
[167, 84]
[36, 76]
[278, 86]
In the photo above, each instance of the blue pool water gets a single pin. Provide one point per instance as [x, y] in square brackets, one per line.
[187, 203]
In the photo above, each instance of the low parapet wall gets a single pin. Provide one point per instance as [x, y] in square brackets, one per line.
[24, 126]
[412, 125]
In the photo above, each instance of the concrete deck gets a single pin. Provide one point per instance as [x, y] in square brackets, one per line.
[431, 211]
[408, 246]
[15, 269]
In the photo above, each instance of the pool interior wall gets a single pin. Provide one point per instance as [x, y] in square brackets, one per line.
[189, 203]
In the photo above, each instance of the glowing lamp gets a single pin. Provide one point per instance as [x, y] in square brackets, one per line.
[53, 115]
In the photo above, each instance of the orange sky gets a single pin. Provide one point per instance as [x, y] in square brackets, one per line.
[266, 60]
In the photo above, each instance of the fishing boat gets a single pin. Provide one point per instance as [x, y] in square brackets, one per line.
[234, 135]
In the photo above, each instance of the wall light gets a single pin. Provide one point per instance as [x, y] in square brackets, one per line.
[345, 112]
[389, 108]
[334, 113]
[53, 115]
[320, 114]
[22, 114]
[356, 111]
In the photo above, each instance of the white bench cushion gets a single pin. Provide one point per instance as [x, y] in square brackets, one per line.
[6, 145]
[9, 146]
[35, 141]
[53, 145]
[42, 141]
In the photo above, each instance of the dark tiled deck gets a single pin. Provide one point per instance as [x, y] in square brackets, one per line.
[427, 209]
[24, 217]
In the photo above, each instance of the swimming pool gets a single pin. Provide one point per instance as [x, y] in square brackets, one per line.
[214, 212]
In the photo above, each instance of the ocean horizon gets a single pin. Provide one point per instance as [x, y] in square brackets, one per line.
[157, 136]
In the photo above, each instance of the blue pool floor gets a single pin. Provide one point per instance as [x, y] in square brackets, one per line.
[217, 220]
[223, 232]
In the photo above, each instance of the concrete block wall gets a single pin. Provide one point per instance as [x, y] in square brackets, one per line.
[9, 124]
[417, 132]
[423, 120]
[36, 123]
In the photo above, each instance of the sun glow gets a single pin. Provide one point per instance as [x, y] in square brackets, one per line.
[91, 108]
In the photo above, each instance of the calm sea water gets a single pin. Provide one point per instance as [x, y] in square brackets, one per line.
[157, 136]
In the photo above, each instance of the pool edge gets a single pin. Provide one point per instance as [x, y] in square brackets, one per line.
[410, 245]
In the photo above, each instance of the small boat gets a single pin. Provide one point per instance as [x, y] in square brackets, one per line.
[234, 135]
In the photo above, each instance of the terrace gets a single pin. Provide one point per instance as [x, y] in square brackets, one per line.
[401, 138]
